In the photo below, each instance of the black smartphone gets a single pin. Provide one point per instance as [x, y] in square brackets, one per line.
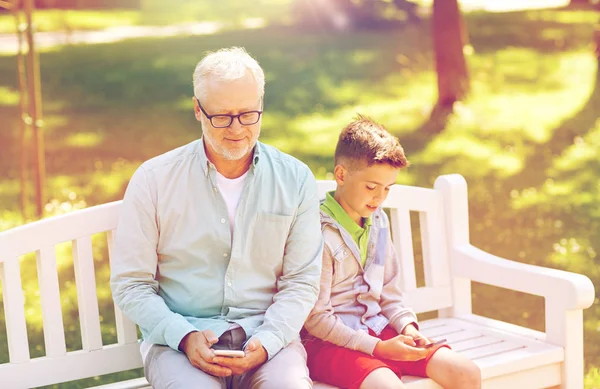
[440, 341]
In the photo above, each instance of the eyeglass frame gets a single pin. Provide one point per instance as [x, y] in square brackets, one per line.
[231, 117]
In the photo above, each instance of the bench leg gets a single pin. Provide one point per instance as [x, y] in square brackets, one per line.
[565, 328]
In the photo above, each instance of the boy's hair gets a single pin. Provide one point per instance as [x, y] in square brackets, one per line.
[368, 142]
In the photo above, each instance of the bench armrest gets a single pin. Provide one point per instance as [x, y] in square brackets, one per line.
[570, 291]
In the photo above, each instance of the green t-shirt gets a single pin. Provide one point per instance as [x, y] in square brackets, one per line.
[360, 235]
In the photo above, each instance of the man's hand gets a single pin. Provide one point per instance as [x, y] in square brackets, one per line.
[197, 346]
[419, 338]
[256, 355]
[399, 348]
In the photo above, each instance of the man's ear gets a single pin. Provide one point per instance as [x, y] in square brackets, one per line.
[340, 173]
[197, 112]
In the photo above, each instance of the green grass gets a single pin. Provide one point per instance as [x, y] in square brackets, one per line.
[230, 12]
[526, 139]
[61, 20]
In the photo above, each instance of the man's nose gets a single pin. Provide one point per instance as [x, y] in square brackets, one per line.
[235, 124]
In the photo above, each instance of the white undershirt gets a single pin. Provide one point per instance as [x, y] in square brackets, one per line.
[231, 190]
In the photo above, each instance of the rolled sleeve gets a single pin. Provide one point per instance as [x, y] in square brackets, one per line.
[270, 342]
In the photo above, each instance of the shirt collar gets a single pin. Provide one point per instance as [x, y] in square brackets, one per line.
[335, 210]
[205, 163]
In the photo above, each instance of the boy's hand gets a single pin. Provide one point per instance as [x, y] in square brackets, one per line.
[256, 355]
[419, 338]
[399, 348]
[197, 347]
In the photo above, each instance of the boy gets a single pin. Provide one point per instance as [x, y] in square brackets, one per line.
[359, 335]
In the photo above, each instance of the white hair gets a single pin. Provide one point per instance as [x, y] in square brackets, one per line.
[227, 64]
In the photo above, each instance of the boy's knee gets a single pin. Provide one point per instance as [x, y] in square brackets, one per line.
[471, 377]
[382, 378]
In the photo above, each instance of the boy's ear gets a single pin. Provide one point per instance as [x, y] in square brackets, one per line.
[340, 173]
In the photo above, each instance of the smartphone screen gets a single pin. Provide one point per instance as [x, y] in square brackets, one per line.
[230, 353]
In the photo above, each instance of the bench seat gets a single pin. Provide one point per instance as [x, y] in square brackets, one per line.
[507, 354]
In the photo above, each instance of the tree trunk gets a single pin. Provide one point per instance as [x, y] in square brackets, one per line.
[449, 38]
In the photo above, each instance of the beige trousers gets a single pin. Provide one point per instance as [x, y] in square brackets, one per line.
[166, 368]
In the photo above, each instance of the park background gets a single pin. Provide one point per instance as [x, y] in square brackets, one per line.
[520, 121]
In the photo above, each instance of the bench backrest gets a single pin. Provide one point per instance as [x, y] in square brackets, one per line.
[47, 237]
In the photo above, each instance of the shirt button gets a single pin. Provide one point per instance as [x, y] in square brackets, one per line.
[224, 254]
[215, 188]
[223, 221]
[229, 284]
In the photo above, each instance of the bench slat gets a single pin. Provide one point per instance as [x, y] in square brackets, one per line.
[87, 298]
[411, 197]
[435, 259]
[126, 329]
[74, 365]
[428, 298]
[14, 310]
[402, 238]
[54, 333]
[58, 229]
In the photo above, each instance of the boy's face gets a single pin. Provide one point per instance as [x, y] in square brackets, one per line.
[361, 189]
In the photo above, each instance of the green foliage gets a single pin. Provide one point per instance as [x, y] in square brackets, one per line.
[592, 379]
[526, 140]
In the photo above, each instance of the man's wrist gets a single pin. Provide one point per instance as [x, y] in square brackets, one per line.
[183, 342]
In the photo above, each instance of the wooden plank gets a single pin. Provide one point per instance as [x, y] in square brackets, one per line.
[136, 383]
[72, 366]
[51, 231]
[126, 329]
[89, 317]
[493, 329]
[477, 321]
[54, 331]
[519, 360]
[403, 244]
[14, 311]
[473, 343]
[324, 186]
[456, 337]
[441, 331]
[497, 348]
[545, 376]
[411, 197]
[430, 323]
[433, 241]
[428, 298]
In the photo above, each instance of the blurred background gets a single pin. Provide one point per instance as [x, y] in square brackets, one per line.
[504, 92]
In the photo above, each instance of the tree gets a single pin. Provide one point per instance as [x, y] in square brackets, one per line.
[353, 14]
[449, 39]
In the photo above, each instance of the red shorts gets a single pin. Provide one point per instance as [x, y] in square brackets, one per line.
[345, 368]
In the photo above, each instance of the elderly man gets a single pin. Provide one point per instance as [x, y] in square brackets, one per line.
[219, 245]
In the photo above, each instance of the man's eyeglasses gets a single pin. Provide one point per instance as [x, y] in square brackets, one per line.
[221, 120]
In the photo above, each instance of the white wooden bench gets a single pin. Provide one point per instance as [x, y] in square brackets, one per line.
[509, 356]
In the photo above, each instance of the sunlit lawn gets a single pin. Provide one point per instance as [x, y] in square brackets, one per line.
[526, 140]
[154, 12]
[60, 20]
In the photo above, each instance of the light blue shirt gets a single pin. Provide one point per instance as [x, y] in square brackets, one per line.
[175, 268]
